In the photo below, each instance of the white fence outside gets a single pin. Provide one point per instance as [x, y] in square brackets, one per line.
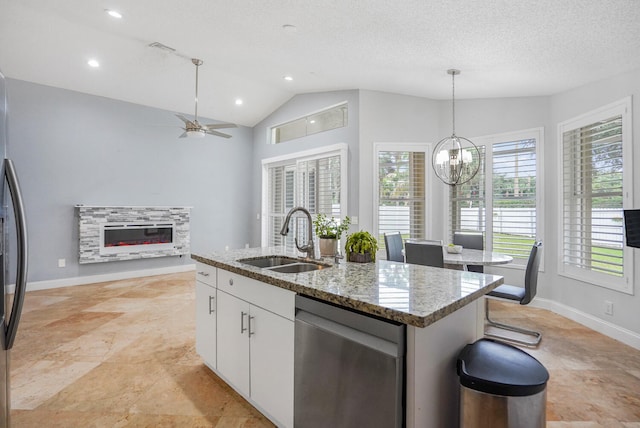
[607, 228]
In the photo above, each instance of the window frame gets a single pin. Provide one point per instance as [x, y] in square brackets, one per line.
[271, 129]
[488, 141]
[340, 149]
[426, 148]
[621, 108]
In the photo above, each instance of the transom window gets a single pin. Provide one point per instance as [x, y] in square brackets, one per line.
[324, 120]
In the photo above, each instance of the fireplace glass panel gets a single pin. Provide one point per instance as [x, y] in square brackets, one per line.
[118, 236]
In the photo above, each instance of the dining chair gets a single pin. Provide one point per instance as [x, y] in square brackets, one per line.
[426, 253]
[518, 294]
[393, 246]
[473, 241]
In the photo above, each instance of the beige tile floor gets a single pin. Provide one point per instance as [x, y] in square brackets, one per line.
[121, 354]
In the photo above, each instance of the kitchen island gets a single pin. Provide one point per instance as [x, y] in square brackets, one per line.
[442, 309]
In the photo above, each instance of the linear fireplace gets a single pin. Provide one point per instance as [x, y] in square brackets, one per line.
[118, 233]
[117, 237]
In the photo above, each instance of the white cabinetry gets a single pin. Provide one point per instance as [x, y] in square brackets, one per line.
[272, 354]
[256, 343]
[206, 313]
[233, 355]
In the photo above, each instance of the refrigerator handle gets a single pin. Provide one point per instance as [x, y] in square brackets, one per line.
[21, 273]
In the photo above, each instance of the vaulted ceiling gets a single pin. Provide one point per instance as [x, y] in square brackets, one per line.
[504, 48]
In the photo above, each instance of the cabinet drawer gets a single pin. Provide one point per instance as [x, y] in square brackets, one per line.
[272, 298]
[206, 274]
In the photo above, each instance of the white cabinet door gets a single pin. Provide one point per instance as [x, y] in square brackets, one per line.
[206, 323]
[272, 353]
[233, 341]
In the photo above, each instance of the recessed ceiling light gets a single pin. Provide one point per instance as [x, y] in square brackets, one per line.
[93, 63]
[114, 13]
[238, 102]
[288, 78]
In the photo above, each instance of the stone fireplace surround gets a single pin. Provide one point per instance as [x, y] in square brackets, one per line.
[91, 220]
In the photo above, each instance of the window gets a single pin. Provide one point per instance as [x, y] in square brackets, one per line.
[401, 194]
[325, 120]
[315, 180]
[503, 199]
[595, 153]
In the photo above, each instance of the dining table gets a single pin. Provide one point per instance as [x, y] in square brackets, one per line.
[469, 256]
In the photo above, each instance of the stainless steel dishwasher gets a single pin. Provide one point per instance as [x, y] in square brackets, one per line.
[349, 368]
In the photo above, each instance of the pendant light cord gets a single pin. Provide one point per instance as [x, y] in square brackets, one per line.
[196, 115]
[453, 101]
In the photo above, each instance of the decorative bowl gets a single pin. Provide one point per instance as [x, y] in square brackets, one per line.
[454, 249]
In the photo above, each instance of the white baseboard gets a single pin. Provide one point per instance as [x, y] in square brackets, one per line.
[92, 279]
[621, 334]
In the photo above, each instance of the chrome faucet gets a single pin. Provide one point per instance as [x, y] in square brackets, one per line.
[285, 229]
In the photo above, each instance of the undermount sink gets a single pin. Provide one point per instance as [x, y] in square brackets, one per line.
[297, 268]
[269, 261]
[283, 264]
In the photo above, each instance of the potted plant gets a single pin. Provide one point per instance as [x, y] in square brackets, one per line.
[361, 247]
[329, 231]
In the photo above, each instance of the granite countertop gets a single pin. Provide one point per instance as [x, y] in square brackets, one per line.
[411, 294]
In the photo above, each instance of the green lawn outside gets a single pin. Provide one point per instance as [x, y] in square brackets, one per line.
[605, 259]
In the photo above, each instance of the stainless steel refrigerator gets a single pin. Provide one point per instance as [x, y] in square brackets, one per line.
[13, 259]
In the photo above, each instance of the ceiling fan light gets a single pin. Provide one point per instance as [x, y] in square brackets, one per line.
[196, 133]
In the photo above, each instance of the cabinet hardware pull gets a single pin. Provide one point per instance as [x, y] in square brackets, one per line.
[230, 281]
[251, 332]
[210, 300]
[242, 327]
[203, 273]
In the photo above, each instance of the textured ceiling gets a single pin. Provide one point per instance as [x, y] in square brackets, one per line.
[504, 48]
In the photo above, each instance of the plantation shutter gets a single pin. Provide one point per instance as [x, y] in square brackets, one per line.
[514, 197]
[467, 202]
[312, 183]
[401, 194]
[593, 197]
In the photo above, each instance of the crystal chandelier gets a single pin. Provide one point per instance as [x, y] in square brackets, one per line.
[455, 160]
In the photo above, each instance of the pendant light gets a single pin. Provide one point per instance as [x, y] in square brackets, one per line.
[455, 160]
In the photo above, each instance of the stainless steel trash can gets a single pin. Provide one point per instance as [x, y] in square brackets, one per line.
[501, 387]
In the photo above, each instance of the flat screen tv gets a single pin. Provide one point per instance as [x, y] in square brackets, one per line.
[632, 227]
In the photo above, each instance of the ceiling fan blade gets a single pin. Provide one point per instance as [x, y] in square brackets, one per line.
[219, 126]
[219, 134]
[185, 120]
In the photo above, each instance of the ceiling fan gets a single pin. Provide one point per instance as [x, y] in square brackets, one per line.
[192, 128]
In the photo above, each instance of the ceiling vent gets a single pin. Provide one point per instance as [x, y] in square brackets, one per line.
[159, 45]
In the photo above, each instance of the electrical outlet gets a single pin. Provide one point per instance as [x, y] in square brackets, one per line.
[62, 263]
[608, 307]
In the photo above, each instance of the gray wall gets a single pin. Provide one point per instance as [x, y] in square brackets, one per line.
[476, 118]
[296, 107]
[393, 118]
[71, 148]
[586, 297]
[396, 118]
